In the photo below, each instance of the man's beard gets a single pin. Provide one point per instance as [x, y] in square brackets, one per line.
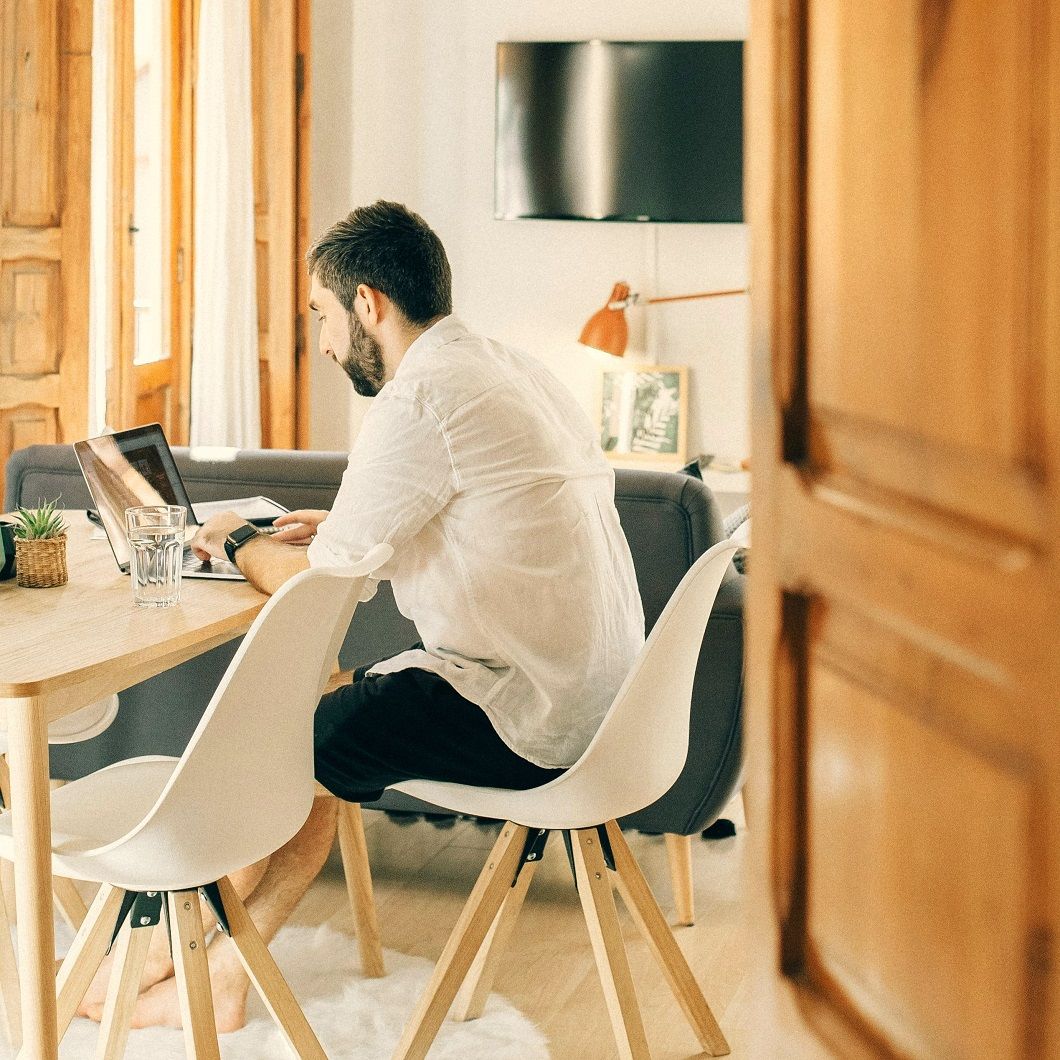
[364, 361]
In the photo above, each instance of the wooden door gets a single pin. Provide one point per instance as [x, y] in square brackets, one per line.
[46, 86]
[279, 31]
[905, 619]
[153, 148]
[152, 380]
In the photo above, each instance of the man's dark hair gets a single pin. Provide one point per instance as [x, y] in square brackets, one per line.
[391, 249]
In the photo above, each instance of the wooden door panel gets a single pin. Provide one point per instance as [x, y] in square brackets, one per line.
[922, 197]
[906, 196]
[928, 680]
[154, 406]
[29, 302]
[28, 424]
[933, 578]
[30, 194]
[45, 81]
[910, 938]
[154, 393]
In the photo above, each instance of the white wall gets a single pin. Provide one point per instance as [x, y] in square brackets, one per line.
[403, 109]
[331, 193]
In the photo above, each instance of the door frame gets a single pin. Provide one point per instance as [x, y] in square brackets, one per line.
[124, 381]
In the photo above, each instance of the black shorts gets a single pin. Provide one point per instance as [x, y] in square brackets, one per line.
[411, 725]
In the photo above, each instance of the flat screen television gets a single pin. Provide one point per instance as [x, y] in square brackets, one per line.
[620, 131]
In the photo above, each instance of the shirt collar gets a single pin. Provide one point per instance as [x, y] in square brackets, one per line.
[438, 334]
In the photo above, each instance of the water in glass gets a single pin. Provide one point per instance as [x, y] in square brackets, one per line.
[156, 542]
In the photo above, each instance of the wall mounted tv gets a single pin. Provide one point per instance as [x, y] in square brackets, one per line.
[620, 131]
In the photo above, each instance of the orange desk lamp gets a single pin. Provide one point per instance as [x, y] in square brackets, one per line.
[607, 329]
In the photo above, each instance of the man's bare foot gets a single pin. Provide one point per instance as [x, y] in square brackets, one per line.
[160, 1006]
[159, 967]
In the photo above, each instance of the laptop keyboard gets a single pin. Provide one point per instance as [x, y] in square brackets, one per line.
[191, 562]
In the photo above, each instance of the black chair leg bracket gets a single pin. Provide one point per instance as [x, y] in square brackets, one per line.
[147, 909]
[212, 894]
[605, 847]
[143, 909]
[569, 847]
[533, 849]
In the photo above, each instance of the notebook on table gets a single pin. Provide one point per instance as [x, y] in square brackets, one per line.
[136, 467]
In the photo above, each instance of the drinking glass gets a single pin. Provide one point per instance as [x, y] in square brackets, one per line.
[156, 542]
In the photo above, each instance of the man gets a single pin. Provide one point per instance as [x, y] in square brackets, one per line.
[485, 476]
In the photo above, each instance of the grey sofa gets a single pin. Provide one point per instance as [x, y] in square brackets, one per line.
[669, 521]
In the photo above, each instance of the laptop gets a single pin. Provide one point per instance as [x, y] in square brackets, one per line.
[136, 467]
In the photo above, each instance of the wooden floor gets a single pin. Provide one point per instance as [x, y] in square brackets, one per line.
[423, 875]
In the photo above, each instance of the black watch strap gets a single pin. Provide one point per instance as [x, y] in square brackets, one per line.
[238, 538]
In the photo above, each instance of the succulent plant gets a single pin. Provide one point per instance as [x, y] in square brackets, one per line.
[39, 523]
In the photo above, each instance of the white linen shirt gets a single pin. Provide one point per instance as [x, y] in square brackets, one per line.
[477, 465]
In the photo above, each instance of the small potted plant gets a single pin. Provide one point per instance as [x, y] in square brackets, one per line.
[40, 546]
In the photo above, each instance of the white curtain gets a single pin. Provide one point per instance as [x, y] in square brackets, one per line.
[224, 373]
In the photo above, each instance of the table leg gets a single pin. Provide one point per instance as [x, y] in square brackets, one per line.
[31, 826]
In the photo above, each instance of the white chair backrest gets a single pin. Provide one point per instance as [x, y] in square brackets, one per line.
[244, 784]
[641, 746]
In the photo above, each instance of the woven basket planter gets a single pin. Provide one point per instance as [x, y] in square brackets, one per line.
[40, 563]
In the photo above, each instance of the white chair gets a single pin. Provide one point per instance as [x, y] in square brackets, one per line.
[635, 757]
[80, 725]
[155, 830]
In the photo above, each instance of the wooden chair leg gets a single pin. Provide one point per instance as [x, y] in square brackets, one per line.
[605, 932]
[358, 873]
[86, 954]
[10, 995]
[679, 851]
[7, 887]
[267, 978]
[122, 990]
[637, 896]
[5, 782]
[471, 999]
[7, 869]
[71, 904]
[193, 977]
[490, 890]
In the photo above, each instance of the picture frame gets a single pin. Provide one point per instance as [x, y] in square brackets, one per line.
[642, 413]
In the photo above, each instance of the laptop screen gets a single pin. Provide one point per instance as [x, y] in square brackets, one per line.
[127, 469]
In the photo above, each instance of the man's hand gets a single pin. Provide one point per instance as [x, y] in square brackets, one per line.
[209, 542]
[301, 526]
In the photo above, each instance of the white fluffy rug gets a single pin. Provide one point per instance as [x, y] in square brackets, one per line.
[355, 1018]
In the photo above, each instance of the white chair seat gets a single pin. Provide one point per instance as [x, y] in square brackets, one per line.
[81, 725]
[561, 803]
[91, 813]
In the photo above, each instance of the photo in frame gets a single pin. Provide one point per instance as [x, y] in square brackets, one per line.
[643, 412]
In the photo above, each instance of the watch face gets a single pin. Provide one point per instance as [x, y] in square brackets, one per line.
[238, 537]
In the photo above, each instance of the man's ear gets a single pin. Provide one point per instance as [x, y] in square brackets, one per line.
[375, 304]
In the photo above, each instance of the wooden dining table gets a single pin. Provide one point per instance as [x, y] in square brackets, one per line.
[61, 649]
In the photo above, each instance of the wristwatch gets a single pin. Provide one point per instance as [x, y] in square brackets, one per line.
[238, 538]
